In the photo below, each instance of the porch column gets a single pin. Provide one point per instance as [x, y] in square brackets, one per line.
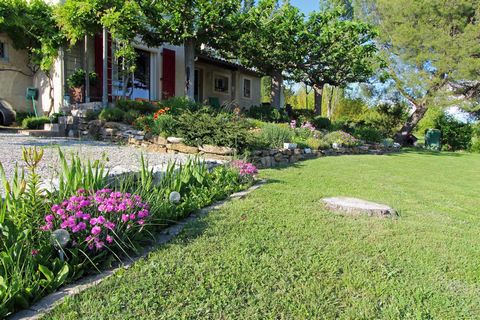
[85, 62]
[105, 69]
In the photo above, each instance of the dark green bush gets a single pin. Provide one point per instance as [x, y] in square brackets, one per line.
[35, 123]
[112, 114]
[179, 105]
[222, 129]
[19, 116]
[267, 113]
[130, 116]
[164, 126]
[321, 123]
[92, 115]
[143, 107]
[386, 118]
[475, 141]
[368, 134]
[456, 135]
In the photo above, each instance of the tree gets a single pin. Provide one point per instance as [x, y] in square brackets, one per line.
[124, 19]
[191, 23]
[335, 51]
[267, 39]
[428, 44]
[31, 26]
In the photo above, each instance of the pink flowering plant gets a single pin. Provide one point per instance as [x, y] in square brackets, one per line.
[98, 220]
[246, 170]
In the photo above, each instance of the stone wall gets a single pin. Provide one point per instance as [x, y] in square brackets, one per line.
[117, 132]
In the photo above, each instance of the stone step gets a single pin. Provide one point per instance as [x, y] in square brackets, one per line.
[42, 133]
[354, 206]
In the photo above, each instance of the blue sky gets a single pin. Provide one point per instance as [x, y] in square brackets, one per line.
[305, 5]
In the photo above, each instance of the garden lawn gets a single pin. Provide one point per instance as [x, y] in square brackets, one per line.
[279, 255]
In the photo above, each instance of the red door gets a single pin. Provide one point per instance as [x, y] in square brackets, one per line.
[168, 76]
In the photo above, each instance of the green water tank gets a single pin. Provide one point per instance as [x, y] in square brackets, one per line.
[433, 139]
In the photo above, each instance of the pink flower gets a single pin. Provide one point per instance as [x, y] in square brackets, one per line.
[60, 212]
[99, 244]
[109, 239]
[49, 218]
[93, 221]
[55, 208]
[141, 222]
[96, 230]
[110, 225]
[132, 216]
[34, 252]
[81, 226]
[125, 217]
[100, 220]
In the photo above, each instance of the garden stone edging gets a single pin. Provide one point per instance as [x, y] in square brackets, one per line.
[47, 303]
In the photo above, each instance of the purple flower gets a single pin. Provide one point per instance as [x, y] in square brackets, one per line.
[93, 221]
[101, 220]
[96, 230]
[49, 218]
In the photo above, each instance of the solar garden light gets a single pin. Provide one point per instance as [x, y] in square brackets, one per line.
[174, 197]
[60, 239]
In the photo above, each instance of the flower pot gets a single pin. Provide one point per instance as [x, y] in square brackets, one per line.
[289, 146]
[76, 95]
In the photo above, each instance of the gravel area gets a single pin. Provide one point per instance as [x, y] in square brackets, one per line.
[125, 156]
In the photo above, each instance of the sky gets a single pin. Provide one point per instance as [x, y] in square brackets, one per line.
[305, 5]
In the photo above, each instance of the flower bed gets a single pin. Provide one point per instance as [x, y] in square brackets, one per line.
[49, 238]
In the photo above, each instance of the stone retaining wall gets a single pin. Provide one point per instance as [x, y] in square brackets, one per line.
[117, 132]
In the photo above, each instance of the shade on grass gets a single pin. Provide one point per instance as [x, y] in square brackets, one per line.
[278, 254]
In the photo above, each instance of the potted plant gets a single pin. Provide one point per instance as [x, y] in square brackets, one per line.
[76, 84]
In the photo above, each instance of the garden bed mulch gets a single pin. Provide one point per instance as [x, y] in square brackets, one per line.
[37, 310]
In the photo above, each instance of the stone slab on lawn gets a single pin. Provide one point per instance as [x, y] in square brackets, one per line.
[354, 206]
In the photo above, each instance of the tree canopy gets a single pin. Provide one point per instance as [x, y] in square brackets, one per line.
[429, 44]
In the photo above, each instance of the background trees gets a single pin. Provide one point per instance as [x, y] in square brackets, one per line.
[429, 44]
[192, 23]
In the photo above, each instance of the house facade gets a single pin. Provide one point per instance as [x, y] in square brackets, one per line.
[159, 74]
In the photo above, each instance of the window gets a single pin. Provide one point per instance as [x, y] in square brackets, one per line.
[3, 51]
[221, 83]
[247, 88]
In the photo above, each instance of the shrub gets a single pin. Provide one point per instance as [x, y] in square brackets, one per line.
[130, 116]
[164, 126]
[456, 135]
[276, 135]
[112, 114]
[77, 78]
[475, 142]
[144, 123]
[341, 138]
[267, 113]
[368, 134]
[143, 107]
[92, 114]
[178, 105]
[321, 123]
[386, 118]
[317, 144]
[35, 123]
[222, 129]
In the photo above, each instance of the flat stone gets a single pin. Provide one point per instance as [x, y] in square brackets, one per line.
[224, 151]
[353, 206]
[174, 140]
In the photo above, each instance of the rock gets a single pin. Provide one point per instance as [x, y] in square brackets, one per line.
[156, 148]
[211, 156]
[160, 140]
[174, 140]
[266, 162]
[353, 206]
[180, 147]
[225, 151]
[278, 157]
[116, 125]
[297, 151]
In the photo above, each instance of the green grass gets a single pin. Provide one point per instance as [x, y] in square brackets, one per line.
[279, 255]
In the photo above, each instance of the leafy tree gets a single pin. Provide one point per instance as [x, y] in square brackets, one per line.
[335, 51]
[124, 19]
[31, 26]
[191, 23]
[267, 39]
[430, 45]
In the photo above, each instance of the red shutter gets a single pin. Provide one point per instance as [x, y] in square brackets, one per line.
[168, 75]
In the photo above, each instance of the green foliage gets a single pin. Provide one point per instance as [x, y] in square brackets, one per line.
[321, 123]
[276, 135]
[386, 118]
[368, 134]
[31, 26]
[336, 51]
[112, 114]
[164, 126]
[429, 121]
[222, 129]
[130, 116]
[77, 78]
[456, 135]
[143, 107]
[475, 142]
[178, 105]
[92, 114]
[267, 113]
[35, 123]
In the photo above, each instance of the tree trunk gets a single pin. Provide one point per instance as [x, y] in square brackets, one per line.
[402, 136]
[330, 103]
[318, 89]
[86, 67]
[277, 81]
[190, 69]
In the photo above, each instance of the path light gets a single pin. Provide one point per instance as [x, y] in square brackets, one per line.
[60, 239]
[174, 197]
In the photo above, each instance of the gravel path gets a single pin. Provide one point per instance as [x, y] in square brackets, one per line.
[125, 156]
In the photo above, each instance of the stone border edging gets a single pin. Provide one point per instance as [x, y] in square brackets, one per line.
[46, 304]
